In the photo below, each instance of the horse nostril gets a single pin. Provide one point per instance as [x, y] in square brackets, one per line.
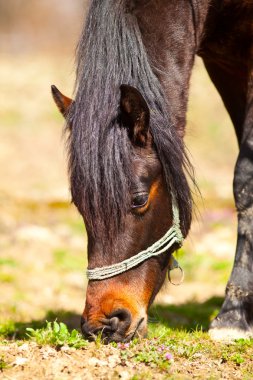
[120, 320]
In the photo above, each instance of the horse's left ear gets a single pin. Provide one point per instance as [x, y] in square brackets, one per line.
[134, 114]
[62, 101]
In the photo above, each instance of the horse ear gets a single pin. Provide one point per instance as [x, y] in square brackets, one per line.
[134, 114]
[62, 101]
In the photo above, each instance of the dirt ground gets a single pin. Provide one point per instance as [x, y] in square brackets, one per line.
[29, 361]
[43, 240]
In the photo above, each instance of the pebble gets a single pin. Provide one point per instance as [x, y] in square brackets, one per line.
[23, 347]
[97, 362]
[20, 361]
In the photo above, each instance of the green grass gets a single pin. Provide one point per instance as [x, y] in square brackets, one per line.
[56, 334]
[7, 329]
[17, 330]
[3, 364]
[166, 345]
[150, 352]
[8, 262]
[197, 343]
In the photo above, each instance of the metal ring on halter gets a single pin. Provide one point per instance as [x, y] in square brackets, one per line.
[173, 264]
[181, 279]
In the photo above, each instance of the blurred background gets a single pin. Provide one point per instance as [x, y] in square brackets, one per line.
[42, 237]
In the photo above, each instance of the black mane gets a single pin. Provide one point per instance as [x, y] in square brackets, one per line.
[111, 53]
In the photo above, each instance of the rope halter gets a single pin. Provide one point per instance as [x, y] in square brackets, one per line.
[172, 236]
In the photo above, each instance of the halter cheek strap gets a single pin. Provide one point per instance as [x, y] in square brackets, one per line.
[172, 236]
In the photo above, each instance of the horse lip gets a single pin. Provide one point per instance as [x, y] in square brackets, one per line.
[92, 334]
[131, 335]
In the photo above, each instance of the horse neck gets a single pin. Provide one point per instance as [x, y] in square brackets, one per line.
[171, 33]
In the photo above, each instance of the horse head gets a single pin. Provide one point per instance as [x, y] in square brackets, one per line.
[117, 306]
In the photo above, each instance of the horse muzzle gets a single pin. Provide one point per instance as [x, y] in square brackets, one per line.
[119, 326]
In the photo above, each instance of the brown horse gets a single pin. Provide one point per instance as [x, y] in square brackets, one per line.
[127, 161]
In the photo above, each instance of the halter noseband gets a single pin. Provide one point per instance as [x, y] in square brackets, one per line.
[172, 236]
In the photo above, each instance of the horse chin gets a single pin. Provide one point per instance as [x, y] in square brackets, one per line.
[139, 330]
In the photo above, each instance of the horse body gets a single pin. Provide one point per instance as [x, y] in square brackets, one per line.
[126, 145]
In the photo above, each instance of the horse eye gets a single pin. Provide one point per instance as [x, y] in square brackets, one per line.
[139, 200]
